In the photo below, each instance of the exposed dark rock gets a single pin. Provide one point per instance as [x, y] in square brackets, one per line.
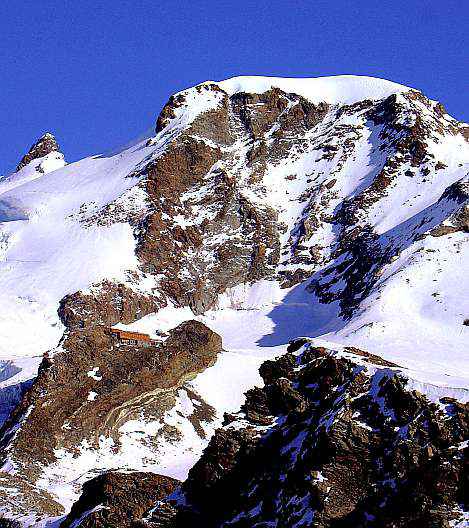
[410, 140]
[458, 192]
[118, 500]
[43, 146]
[459, 220]
[362, 254]
[283, 367]
[133, 380]
[109, 304]
[464, 130]
[440, 165]
[7, 523]
[372, 358]
[259, 112]
[219, 258]
[163, 245]
[361, 450]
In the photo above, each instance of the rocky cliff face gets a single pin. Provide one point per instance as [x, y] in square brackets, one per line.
[209, 233]
[332, 440]
[347, 196]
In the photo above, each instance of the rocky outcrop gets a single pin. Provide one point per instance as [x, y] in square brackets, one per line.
[108, 304]
[118, 500]
[332, 441]
[93, 386]
[405, 133]
[459, 220]
[361, 254]
[43, 146]
[7, 523]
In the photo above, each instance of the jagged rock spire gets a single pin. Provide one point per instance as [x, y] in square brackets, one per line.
[43, 146]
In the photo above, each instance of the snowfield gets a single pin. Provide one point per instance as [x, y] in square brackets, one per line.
[44, 246]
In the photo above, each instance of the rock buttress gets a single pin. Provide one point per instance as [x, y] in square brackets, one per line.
[332, 442]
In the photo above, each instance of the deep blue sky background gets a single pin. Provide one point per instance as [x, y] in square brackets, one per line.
[96, 73]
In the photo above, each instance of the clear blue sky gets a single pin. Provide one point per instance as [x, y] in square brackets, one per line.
[96, 73]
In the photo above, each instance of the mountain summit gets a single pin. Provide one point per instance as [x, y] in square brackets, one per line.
[264, 300]
[43, 146]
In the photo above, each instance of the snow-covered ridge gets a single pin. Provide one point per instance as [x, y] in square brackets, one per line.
[334, 90]
[35, 169]
[340, 89]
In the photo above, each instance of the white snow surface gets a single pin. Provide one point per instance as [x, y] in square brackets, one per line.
[46, 251]
[338, 89]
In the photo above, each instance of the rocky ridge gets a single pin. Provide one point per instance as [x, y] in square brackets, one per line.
[85, 393]
[119, 499]
[332, 440]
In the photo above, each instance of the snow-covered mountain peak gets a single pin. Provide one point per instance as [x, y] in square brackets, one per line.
[185, 106]
[45, 145]
[265, 208]
[340, 89]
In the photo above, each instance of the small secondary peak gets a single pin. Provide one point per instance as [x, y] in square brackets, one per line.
[43, 146]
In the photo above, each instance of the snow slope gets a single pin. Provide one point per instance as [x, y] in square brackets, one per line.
[44, 249]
